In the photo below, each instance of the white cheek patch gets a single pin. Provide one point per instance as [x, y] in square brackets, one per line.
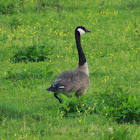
[81, 31]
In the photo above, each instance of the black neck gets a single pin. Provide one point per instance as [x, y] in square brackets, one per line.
[82, 58]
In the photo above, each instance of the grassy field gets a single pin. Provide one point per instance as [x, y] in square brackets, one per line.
[109, 109]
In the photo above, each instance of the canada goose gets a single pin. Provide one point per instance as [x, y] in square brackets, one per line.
[76, 80]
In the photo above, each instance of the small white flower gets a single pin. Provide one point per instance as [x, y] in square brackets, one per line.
[110, 130]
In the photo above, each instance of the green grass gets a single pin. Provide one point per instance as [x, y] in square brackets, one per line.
[28, 111]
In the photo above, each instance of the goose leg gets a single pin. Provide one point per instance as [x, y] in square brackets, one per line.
[77, 94]
[60, 100]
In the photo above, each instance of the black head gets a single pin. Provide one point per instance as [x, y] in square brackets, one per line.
[81, 30]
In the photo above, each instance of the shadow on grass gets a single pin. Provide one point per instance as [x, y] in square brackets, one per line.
[9, 112]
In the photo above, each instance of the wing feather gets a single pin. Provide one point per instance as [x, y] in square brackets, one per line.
[71, 81]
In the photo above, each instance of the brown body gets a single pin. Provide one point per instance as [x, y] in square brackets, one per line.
[76, 80]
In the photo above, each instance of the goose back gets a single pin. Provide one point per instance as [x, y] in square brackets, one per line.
[71, 81]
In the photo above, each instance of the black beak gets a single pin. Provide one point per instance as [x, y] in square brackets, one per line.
[88, 31]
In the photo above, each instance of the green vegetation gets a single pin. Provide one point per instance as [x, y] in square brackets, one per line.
[32, 53]
[37, 43]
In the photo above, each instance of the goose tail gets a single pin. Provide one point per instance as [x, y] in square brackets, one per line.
[50, 89]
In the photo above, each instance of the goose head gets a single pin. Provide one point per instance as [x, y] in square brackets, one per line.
[81, 30]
